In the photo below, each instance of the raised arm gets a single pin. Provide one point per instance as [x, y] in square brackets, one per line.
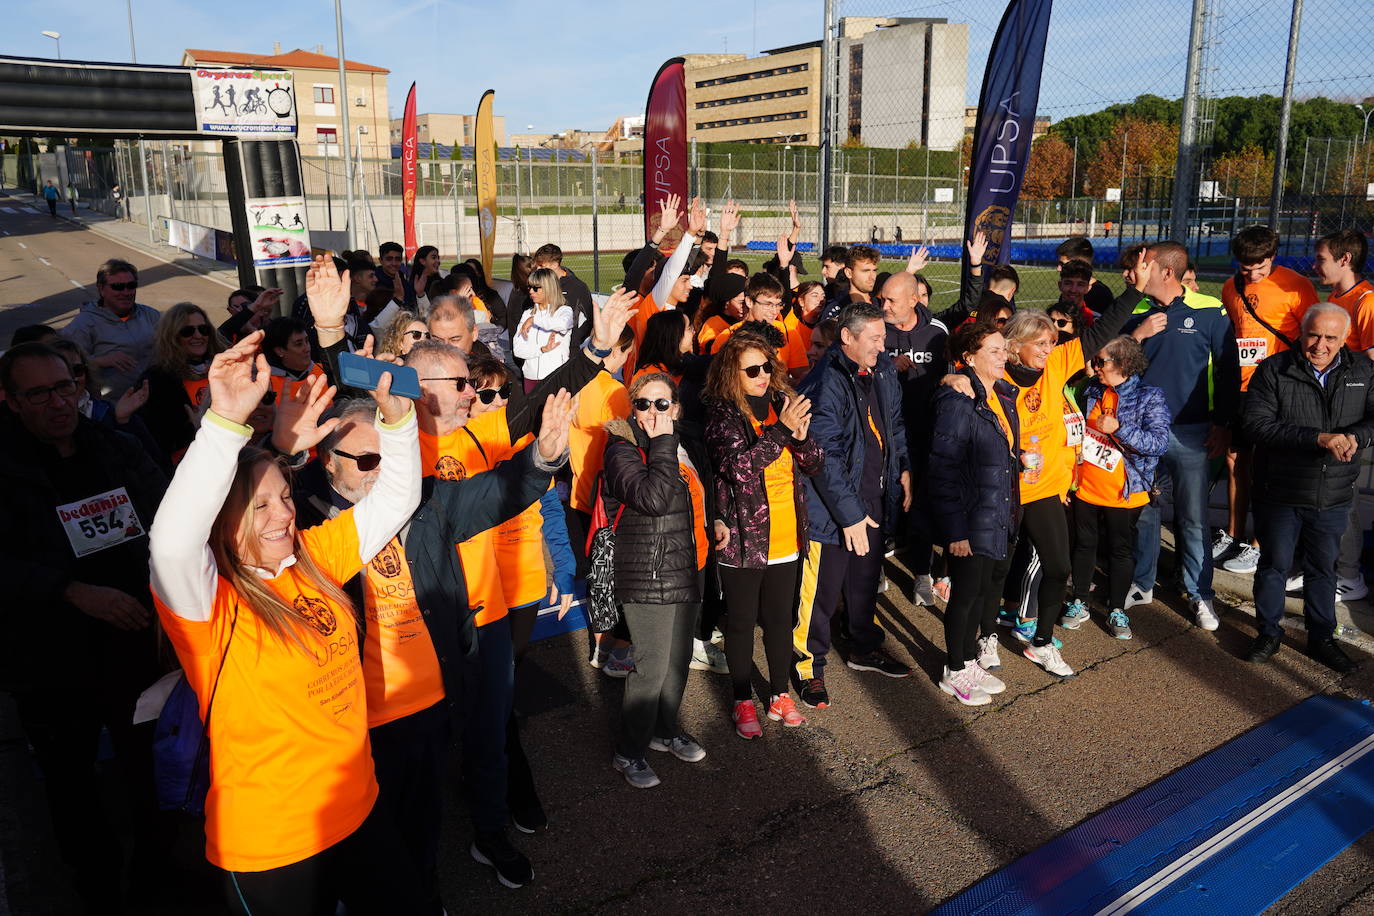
[394, 497]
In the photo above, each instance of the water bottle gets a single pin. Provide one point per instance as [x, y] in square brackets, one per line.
[1034, 460]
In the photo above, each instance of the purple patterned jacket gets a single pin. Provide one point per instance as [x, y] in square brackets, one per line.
[738, 459]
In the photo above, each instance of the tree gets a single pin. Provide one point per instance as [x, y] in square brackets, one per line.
[1247, 173]
[1050, 169]
[456, 152]
[1151, 148]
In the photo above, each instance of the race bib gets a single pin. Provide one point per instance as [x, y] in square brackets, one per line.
[1252, 350]
[1073, 428]
[100, 522]
[1099, 451]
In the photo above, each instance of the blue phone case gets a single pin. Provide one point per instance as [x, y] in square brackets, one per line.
[360, 372]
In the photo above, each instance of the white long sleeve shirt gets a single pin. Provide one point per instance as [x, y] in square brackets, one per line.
[529, 345]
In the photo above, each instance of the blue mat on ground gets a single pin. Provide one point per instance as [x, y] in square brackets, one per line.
[1230, 833]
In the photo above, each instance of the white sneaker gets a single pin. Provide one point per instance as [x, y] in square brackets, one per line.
[923, 592]
[1245, 561]
[1206, 617]
[1048, 657]
[1138, 595]
[1221, 544]
[1351, 589]
[962, 687]
[1294, 584]
[708, 657]
[981, 677]
[987, 654]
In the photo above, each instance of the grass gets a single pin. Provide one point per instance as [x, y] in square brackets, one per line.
[1038, 284]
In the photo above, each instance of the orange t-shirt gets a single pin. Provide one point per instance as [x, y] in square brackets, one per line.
[520, 551]
[1099, 486]
[778, 480]
[1359, 302]
[798, 329]
[1040, 410]
[698, 495]
[400, 667]
[1000, 412]
[290, 762]
[1280, 299]
[710, 329]
[196, 389]
[639, 321]
[281, 383]
[455, 457]
[602, 400]
[792, 353]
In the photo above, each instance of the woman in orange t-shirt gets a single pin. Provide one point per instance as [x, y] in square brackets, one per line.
[267, 637]
[757, 436]
[183, 344]
[1127, 430]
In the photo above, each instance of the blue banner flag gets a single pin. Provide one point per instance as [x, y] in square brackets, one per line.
[1006, 119]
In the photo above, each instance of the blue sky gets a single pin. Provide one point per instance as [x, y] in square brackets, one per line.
[557, 64]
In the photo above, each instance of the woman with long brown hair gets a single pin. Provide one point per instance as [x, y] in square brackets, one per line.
[757, 436]
[269, 642]
[184, 343]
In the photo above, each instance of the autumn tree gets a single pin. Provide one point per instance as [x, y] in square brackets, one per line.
[1050, 170]
[1245, 173]
[1150, 150]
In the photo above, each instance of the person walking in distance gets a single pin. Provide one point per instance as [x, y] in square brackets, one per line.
[52, 195]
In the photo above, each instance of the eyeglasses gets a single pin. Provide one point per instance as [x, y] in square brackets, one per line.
[1000, 322]
[487, 395]
[755, 370]
[1097, 362]
[459, 381]
[418, 335]
[37, 397]
[123, 287]
[662, 405]
[1063, 322]
[366, 462]
[187, 330]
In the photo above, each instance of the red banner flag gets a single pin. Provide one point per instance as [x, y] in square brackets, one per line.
[665, 148]
[409, 149]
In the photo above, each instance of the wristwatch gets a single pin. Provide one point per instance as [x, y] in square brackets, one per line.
[599, 354]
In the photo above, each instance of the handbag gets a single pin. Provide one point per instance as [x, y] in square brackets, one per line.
[602, 611]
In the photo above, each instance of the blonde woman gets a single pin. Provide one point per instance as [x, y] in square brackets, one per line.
[545, 328]
[184, 343]
[403, 332]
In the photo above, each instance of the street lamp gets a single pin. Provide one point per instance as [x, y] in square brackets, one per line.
[55, 36]
[1363, 133]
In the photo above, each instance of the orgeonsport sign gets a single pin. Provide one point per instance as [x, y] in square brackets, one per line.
[252, 104]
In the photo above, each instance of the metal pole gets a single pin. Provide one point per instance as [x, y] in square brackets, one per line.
[1285, 115]
[1121, 207]
[519, 208]
[596, 236]
[147, 188]
[457, 210]
[1187, 133]
[342, 101]
[167, 178]
[826, 138]
[133, 51]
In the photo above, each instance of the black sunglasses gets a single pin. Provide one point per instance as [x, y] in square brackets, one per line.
[123, 287]
[1000, 322]
[365, 462]
[487, 395]
[1063, 322]
[755, 370]
[662, 405]
[187, 330]
[418, 335]
[459, 381]
[1097, 362]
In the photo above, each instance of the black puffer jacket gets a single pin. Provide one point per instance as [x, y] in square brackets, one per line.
[655, 542]
[1286, 409]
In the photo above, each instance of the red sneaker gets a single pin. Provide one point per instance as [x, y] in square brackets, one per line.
[783, 710]
[747, 720]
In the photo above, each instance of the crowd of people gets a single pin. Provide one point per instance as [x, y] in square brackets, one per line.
[348, 580]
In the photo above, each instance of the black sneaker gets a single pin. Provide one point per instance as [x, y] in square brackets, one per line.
[813, 693]
[1329, 653]
[527, 814]
[511, 867]
[1263, 649]
[879, 661]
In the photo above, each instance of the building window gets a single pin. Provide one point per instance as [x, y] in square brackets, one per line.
[756, 97]
[755, 119]
[856, 88]
[324, 95]
[755, 75]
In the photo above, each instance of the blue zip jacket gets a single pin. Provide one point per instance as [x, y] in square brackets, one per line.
[975, 474]
[833, 501]
[1194, 360]
[1143, 436]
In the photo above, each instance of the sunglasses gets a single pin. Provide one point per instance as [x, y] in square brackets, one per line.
[1000, 322]
[487, 395]
[459, 381]
[188, 330]
[123, 287]
[755, 370]
[662, 405]
[1097, 362]
[1063, 322]
[418, 335]
[365, 462]
[533, 289]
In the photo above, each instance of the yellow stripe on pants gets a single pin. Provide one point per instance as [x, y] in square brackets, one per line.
[811, 569]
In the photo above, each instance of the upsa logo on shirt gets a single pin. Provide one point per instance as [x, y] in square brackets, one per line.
[388, 562]
[449, 468]
[317, 613]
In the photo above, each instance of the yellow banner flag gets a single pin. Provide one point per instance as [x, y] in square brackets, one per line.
[484, 149]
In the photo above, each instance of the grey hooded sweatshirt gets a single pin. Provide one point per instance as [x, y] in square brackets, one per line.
[101, 332]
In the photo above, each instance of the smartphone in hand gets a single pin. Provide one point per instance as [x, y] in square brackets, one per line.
[360, 372]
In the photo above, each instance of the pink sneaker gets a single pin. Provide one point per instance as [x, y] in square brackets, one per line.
[747, 720]
[783, 710]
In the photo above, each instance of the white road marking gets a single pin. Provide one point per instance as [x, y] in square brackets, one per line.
[22, 245]
[9, 209]
[46, 262]
[77, 285]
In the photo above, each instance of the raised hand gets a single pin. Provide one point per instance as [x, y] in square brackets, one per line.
[729, 220]
[297, 425]
[977, 246]
[609, 320]
[553, 432]
[670, 215]
[238, 378]
[365, 351]
[131, 402]
[1144, 269]
[795, 411]
[392, 407]
[266, 302]
[796, 220]
[696, 218]
[784, 251]
[920, 257]
[328, 293]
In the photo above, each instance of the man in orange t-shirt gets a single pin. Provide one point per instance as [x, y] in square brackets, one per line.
[1266, 303]
[763, 302]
